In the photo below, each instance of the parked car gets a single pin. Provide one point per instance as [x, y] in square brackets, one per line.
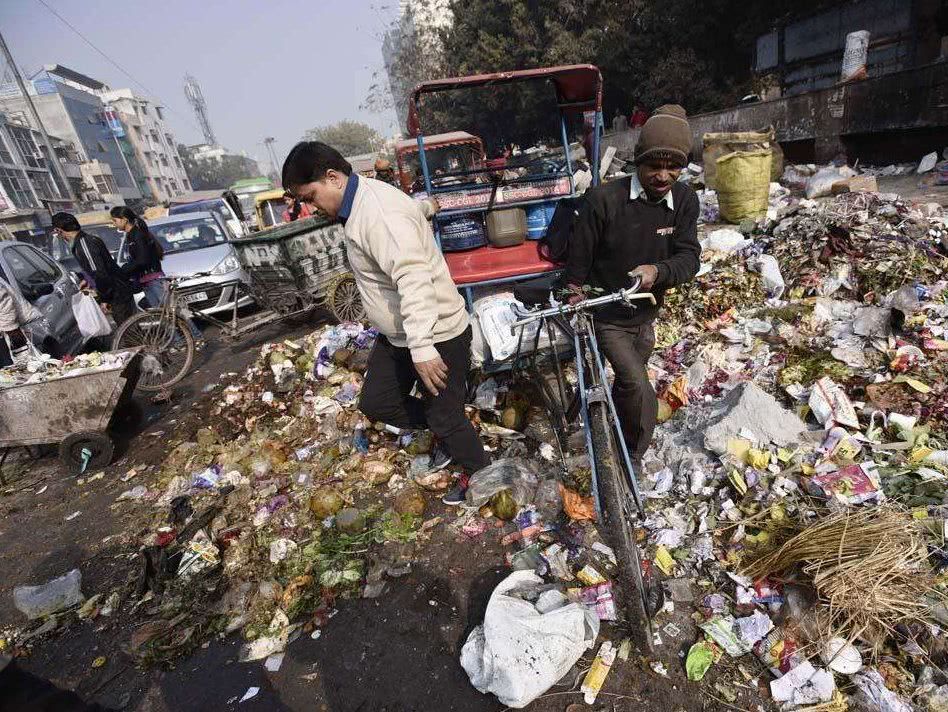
[197, 243]
[49, 287]
[219, 207]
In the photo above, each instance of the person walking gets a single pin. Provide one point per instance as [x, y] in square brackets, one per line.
[409, 296]
[643, 226]
[95, 261]
[295, 209]
[15, 313]
[144, 260]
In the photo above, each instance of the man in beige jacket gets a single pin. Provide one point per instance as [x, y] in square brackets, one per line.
[409, 296]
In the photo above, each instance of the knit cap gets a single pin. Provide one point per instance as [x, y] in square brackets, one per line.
[666, 135]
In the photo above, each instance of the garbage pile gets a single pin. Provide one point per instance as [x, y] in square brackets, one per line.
[796, 490]
[40, 367]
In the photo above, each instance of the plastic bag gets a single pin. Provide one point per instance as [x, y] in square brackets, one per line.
[89, 317]
[56, 595]
[769, 269]
[820, 184]
[519, 653]
[726, 240]
[519, 476]
[495, 314]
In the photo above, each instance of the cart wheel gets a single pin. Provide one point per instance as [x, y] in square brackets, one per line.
[97, 445]
[342, 297]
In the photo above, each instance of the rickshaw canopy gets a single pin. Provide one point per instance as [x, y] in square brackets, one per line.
[578, 88]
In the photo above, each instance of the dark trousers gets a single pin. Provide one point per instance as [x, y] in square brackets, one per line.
[389, 380]
[628, 348]
[122, 305]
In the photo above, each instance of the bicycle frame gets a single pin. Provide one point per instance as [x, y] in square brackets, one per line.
[592, 387]
[232, 328]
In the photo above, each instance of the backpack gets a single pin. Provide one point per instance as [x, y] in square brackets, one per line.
[554, 246]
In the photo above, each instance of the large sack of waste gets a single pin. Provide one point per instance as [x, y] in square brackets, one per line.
[524, 647]
[743, 184]
[721, 144]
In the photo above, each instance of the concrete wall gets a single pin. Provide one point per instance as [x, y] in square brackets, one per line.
[847, 116]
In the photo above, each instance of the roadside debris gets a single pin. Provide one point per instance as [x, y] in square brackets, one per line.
[527, 643]
[795, 490]
[50, 597]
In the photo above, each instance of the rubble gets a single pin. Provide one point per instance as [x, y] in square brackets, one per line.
[799, 419]
[795, 498]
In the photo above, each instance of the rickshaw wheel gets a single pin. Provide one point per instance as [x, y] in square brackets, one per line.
[99, 445]
[343, 299]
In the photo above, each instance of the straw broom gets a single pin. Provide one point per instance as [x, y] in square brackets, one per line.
[868, 567]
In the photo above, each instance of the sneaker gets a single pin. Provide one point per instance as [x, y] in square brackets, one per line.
[455, 497]
[439, 458]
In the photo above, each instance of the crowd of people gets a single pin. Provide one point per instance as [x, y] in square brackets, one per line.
[113, 285]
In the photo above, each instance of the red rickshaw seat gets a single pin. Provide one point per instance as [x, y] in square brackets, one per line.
[486, 263]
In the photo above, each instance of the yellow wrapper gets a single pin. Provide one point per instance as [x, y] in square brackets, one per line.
[664, 560]
[589, 576]
[758, 459]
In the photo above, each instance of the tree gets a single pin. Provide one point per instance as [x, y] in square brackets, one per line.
[650, 52]
[350, 138]
[216, 174]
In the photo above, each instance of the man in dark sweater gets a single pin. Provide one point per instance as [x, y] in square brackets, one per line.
[644, 226]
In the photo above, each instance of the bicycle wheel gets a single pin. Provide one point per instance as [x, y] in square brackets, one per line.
[167, 344]
[613, 494]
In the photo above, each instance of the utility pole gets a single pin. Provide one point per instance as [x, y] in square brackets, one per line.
[39, 123]
[268, 142]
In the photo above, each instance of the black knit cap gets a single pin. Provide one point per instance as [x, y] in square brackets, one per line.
[666, 135]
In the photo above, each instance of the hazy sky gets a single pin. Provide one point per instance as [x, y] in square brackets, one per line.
[267, 67]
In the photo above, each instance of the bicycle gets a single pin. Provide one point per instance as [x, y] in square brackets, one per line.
[163, 335]
[614, 485]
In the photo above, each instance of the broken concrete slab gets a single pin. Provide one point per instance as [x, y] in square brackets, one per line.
[748, 408]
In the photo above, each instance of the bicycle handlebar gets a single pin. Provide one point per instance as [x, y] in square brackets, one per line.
[623, 295]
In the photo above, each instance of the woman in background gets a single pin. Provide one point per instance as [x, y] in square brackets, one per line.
[144, 259]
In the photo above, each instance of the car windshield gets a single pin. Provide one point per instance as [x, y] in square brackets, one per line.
[188, 235]
[215, 206]
[273, 212]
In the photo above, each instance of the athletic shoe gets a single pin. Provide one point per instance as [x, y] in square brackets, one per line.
[455, 497]
[439, 458]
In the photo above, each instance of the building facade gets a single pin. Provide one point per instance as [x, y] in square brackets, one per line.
[71, 109]
[414, 30]
[155, 147]
[30, 190]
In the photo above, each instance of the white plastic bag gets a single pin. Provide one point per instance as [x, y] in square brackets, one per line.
[519, 653]
[495, 314]
[92, 322]
[50, 597]
[820, 184]
[725, 240]
[769, 269]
